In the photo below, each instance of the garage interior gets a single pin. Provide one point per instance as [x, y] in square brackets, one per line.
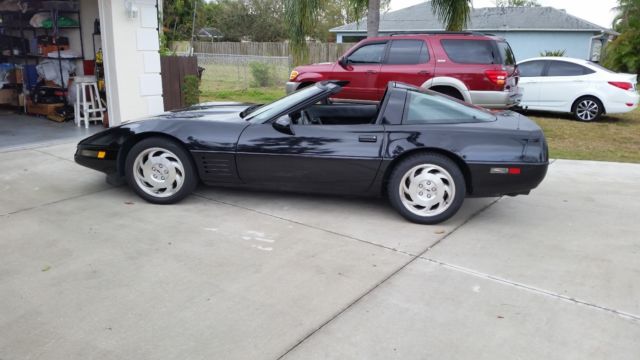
[51, 71]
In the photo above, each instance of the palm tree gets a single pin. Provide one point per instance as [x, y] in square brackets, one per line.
[453, 13]
[301, 17]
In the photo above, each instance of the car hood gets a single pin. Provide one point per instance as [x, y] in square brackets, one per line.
[315, 67]
[211, 111]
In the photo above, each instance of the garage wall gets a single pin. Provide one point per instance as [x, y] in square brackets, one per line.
[132, 61]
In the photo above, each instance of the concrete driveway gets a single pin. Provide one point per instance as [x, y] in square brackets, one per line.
[89, 271]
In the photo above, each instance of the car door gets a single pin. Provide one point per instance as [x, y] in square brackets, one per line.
[531, 73]
[562, 82]
[408, 61]
[361, 69]
[318, 158]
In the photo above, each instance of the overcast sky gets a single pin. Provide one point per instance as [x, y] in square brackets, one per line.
[596, 11]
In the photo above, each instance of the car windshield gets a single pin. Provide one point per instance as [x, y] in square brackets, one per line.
[268, 111]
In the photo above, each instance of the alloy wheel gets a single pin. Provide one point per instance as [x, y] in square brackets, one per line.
[158, 172]
[587, 110]
[427, 190]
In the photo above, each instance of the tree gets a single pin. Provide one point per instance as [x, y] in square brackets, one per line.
[301, 17]
[453, 13]
[623, 54]
[517, 3]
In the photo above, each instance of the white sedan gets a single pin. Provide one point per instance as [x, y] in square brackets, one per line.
[585, 89]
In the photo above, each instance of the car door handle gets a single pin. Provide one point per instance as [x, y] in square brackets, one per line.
[371, 72]
[368, 138]
[424, 72]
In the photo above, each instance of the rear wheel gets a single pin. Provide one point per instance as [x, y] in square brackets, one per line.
[587, 108]
[160, 171]
[427, 188]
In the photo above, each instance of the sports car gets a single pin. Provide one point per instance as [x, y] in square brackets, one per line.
[425, 151]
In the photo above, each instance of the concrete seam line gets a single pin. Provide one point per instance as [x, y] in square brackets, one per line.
[36, 145]
[305, 225]
[532, 289]
[56, 202]
[55, 156]
[393, 273]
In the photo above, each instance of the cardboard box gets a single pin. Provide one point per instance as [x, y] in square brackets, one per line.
[9, 97]
[15, 76]
[42, 109]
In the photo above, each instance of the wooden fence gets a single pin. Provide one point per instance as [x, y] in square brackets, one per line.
[174, 69]
[318, 52]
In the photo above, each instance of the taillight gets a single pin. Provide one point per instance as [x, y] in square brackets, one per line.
[622, 85]
[498, 77]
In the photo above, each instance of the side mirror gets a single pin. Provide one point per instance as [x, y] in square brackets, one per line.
[283, 124]
[343, 62]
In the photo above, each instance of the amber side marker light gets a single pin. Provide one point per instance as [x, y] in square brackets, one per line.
[102, 154]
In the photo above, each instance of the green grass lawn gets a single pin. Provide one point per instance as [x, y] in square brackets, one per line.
[612, 138]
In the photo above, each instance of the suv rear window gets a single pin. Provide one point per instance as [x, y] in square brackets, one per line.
[470, 51]
[508, 58]
[407, 52]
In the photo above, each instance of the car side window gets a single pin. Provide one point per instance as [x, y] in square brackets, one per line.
[407, 52]
[470, 51]
[368, 54]
[428, 108]
[531, 68]
[563, 68]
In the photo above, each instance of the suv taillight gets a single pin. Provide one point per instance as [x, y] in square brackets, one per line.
[498, 77]
[622, 85]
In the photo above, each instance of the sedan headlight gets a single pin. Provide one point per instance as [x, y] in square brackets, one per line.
[293, 76]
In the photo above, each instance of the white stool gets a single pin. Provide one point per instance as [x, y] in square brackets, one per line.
[88, 105]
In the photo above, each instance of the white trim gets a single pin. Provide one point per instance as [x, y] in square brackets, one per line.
[110, 75]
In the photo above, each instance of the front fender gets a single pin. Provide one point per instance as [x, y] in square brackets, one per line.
[310, 77]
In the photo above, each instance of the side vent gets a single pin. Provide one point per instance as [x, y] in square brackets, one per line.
[216, 167]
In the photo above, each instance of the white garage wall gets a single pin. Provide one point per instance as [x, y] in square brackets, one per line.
[130, 47]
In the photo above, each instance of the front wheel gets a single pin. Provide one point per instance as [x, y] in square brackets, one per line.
[427, 188]
[587, 108]
[160, 171]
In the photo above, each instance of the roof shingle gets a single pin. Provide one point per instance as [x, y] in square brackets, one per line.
[420, 17]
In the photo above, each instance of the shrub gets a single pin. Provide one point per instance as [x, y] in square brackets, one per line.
[262, 74]
[553, 53]
[191, 90]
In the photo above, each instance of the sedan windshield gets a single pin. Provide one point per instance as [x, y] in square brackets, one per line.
[268, 111]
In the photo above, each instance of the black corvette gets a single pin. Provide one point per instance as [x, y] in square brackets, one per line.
[423, 150]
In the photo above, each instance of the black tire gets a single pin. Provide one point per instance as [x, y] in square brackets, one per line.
[453, 202]
[579, 109]
[186, 170]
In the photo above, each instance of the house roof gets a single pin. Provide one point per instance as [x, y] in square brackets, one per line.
[420, 17]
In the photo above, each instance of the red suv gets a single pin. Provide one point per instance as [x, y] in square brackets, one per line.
[477, 68]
